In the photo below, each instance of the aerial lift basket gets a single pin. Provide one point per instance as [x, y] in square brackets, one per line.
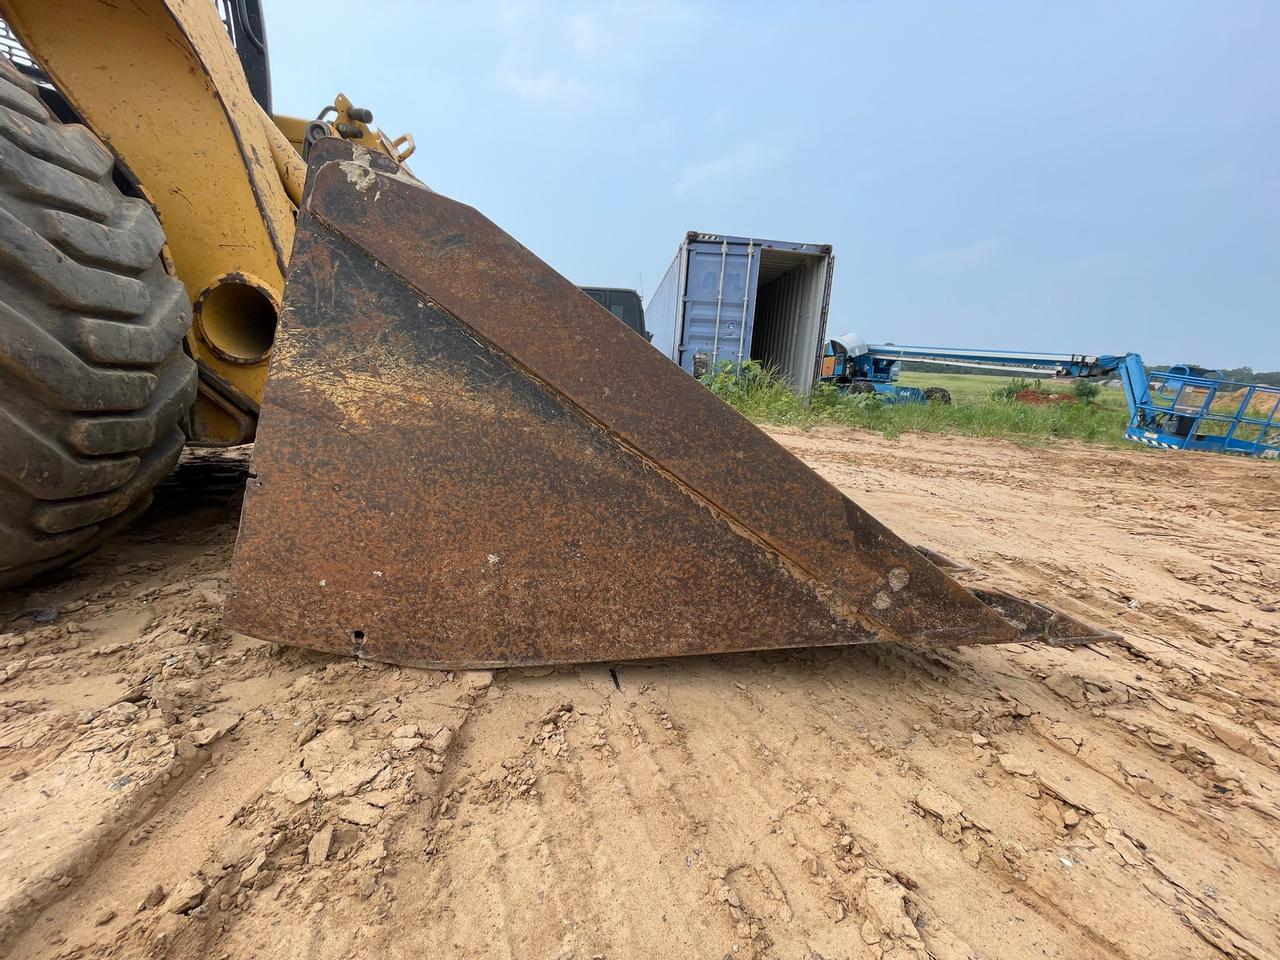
[464, 461]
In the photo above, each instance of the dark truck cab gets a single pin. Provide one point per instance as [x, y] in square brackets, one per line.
[623, 304]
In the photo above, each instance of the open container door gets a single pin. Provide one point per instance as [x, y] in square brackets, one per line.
[793, 292]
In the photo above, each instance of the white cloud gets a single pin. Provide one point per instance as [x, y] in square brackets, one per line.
[969, 257]
[548, 86]
[748, 159]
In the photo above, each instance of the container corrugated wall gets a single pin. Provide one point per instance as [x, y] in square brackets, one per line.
[662, 312]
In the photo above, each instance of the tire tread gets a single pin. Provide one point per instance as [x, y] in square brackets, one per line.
[94, 380]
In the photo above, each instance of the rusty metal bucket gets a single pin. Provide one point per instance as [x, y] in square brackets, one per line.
[463, 461]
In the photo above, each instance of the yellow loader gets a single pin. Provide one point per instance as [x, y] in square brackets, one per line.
[448, 468]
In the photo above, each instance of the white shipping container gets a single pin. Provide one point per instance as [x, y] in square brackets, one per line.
[739, 298]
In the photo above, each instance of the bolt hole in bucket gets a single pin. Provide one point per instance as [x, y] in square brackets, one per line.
[237, 317]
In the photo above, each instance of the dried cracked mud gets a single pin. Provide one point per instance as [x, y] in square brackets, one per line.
[174, 790]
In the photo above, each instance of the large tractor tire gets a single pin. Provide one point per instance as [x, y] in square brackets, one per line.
[93, 376]
[937, 395]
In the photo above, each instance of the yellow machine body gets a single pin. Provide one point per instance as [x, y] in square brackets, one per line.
[160, 83]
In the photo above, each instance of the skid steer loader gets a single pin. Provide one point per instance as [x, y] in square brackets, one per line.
[447, 470]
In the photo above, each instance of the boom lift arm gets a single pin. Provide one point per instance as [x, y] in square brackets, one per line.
[1185, 407]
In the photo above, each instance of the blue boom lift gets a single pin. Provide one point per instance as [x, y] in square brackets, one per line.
[1184, 408]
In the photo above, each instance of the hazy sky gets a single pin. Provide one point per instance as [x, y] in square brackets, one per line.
[1087, 177]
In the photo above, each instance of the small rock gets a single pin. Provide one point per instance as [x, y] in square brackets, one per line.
[1049, 810]
[554, 713]
[218, 722]
[371, 855]
[306, 731]
[187, 895]
[476, 682]
[441, 740]
[250, 872]
[1016, 765]
[294, 786]
[1124, 848]
[13, 668]
[869, 933]
[320, 845]
[346, 779]
[360, 813]
[235, 845]
[204, 736]
[155, 896]
[104, 918]
[406, 731]
[941, 805]
[886, 901]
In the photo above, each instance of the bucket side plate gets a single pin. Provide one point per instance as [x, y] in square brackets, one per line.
[462, 460]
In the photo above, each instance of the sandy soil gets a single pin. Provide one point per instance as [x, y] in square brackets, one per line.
[170, 789]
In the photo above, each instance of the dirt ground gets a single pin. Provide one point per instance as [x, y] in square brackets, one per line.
[173, 790]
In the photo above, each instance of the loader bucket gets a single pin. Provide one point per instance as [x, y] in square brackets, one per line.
[464, 461]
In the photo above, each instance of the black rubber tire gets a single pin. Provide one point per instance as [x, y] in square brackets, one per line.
[861, 386]
[937, 395]
[93, 376]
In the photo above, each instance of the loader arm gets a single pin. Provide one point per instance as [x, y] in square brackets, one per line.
[160, 82]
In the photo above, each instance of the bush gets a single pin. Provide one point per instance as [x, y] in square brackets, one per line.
[1086, 391]
[1014, 387]
[760, 394]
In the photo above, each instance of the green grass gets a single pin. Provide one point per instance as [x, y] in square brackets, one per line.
[966, 389]
[765, 398]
